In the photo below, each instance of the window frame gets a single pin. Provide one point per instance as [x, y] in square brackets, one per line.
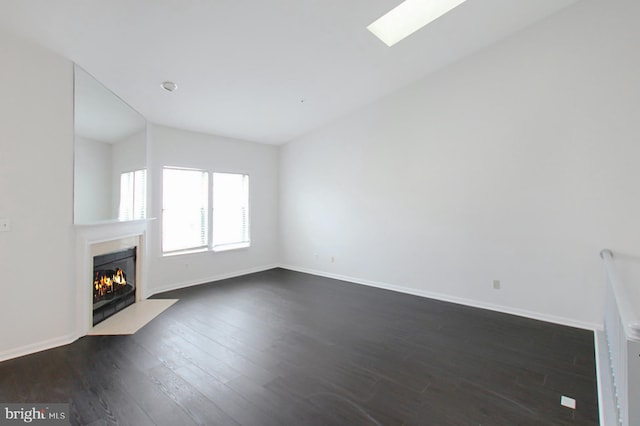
[209, 247]
[238, 244]
[206, 209]
[135, 185]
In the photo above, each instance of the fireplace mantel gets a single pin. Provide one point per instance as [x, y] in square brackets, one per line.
[96, 238]
[113, 223]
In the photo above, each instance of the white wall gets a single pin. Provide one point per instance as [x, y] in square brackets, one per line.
[93, 180]
[178, 148]
[36, 194]
[518, 163]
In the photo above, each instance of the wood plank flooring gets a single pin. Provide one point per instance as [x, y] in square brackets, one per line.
[286, 348]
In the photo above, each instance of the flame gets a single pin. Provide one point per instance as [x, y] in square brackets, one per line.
[105, 284]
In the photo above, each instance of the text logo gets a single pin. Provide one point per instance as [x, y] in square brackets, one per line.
[37, 414]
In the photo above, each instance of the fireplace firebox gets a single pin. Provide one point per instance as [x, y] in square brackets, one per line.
[114, 283]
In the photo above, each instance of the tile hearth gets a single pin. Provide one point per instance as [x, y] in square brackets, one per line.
[132, 318]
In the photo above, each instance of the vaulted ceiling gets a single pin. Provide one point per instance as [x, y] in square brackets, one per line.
[259, 70]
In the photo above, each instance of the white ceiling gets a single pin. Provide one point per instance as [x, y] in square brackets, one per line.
[244, 68]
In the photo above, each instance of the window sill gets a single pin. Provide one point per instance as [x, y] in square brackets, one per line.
[188, 251]
[216, 249]
[228, 247]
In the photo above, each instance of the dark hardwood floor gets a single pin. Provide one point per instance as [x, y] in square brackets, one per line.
[285, 348]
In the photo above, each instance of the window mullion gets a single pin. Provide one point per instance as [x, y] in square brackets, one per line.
[210, 206]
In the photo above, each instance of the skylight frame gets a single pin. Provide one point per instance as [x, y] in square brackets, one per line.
[408, 17]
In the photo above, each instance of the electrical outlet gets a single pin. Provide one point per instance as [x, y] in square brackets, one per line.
[496, 284]
[5, 225]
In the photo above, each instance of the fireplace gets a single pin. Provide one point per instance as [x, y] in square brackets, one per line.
[114, 283]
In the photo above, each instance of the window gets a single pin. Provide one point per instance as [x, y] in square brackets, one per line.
[230, 211]
[186, 224]
[184, 210]
[133, 195]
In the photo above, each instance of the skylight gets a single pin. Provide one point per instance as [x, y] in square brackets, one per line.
[408, 17]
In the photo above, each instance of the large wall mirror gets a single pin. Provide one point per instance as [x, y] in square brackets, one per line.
[110, 169]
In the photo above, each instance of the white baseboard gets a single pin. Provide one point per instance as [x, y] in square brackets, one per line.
[32, 348]
[219, 277]
[453, 299]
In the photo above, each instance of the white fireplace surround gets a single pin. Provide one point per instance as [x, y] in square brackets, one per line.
[102, 238]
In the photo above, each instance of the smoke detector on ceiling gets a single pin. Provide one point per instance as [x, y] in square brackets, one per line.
[169, 86]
